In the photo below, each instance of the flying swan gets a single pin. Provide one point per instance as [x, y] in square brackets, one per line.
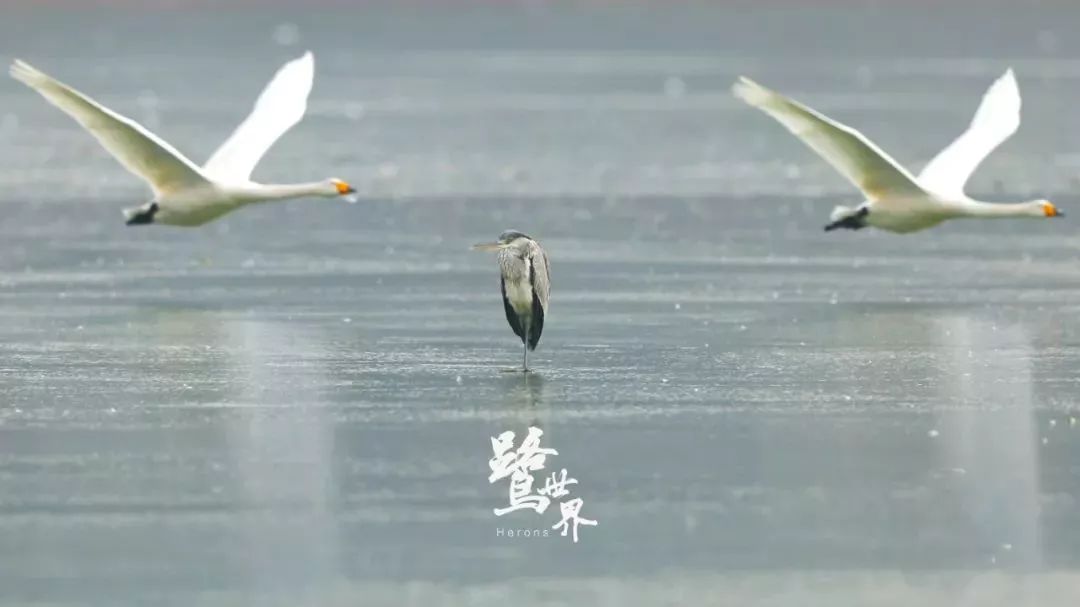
[185, 194]
[895, 200]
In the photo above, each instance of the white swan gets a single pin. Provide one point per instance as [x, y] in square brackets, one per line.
[895, 200]
[185, 194]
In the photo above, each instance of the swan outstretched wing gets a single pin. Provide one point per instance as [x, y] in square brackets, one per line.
[139, 150]
[996, 120]
[280, 106]
[847, 150]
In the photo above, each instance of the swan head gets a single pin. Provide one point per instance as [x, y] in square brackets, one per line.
[1046, 208]
[337, 187]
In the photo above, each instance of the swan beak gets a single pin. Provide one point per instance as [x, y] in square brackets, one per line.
[1052, 211]
[344, 188]
[487, 246]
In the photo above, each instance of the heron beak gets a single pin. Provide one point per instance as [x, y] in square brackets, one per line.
[487, 246]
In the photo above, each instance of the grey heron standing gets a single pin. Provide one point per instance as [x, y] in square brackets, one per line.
[526, 281]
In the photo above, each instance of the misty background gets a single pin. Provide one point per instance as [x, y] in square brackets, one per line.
[294, 404]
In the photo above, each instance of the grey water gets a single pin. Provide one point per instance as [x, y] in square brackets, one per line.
[295, 405]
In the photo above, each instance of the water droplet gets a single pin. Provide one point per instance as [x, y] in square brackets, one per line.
[286, 34]
[1047, 41]
[9, 124]
[147, 99]
[354, 111]
[933, 434]
[388, 170]
[864, 75]
[674, 87]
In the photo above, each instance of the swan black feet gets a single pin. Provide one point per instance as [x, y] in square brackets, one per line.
[142, 215]
[855, 221]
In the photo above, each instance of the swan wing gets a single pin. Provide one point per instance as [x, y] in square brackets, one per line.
[846, 149]
[996, 120]
[280, 106]
[140, 151]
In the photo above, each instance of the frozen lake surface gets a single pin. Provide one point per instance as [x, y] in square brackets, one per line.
[295, 405]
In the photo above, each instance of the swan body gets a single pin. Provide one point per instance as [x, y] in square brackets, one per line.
[896, 200]
[184, 193]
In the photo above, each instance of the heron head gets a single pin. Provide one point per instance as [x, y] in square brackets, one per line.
[506, 239]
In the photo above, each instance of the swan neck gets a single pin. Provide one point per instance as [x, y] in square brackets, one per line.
[283, 191]
[975, 208]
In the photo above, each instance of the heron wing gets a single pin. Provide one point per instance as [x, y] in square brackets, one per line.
[540, 279]
[511, 315]
[848, 151]
[996, 120]
[536, 323]
[140, 151]
[540, 276]
[280, 106]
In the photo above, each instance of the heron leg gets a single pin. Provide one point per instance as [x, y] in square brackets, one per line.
[525, 348]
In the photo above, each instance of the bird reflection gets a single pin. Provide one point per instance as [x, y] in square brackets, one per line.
[282, 448]
[526, 398]
[988, 434]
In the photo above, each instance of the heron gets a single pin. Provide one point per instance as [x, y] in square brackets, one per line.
[525, 283]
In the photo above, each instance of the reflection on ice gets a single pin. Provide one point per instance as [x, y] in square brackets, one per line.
[988, 435]
[283, 450]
